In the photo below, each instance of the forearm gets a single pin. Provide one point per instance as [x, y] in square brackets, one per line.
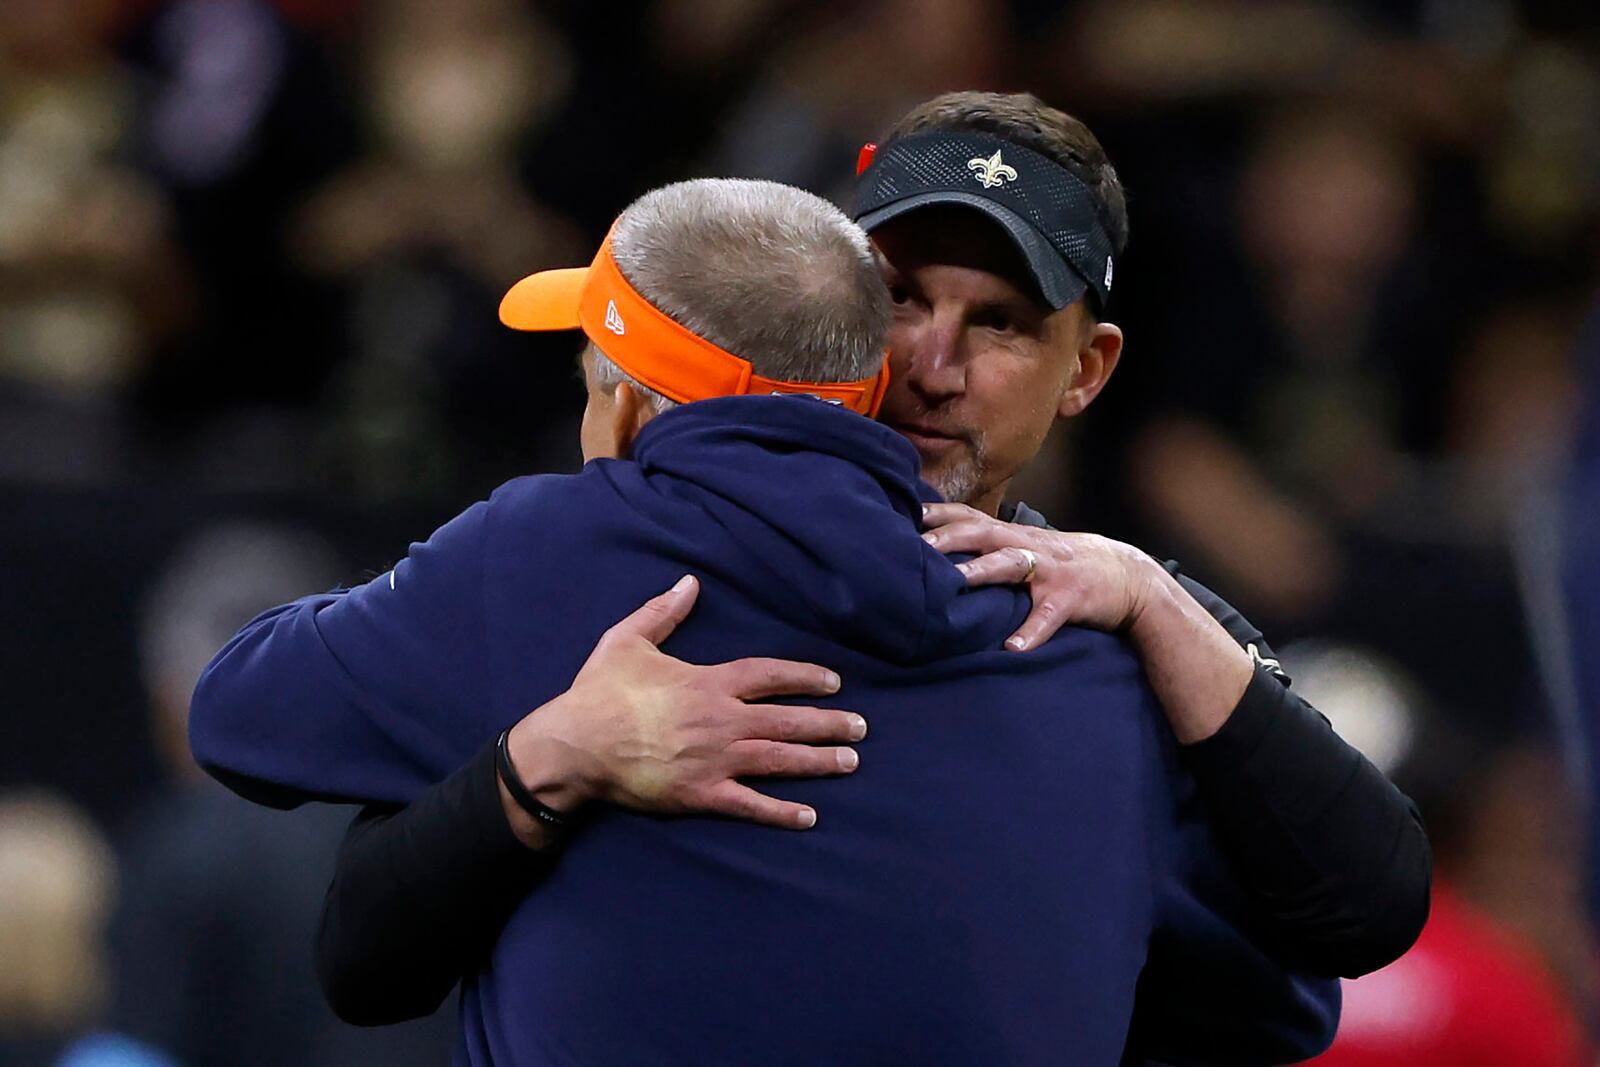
[273, 715]
[1335, 855]
[556, 772]
[370, 694]
[419, 897]
[1196, 668]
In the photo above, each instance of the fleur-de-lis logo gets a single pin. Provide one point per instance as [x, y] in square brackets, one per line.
[992, 171]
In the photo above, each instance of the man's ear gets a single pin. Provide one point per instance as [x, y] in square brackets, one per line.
[1098, 355]
[629, 413]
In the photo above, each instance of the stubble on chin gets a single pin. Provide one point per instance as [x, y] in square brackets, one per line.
[958, 481]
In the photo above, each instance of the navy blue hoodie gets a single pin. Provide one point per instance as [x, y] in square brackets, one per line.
[1018, 854]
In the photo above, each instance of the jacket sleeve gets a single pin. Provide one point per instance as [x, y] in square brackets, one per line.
[1211, 993]
[1336, 859]
[419, 897]
[362, 695]
[1334, 856]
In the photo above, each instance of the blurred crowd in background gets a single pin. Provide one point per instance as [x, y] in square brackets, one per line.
[250, 254]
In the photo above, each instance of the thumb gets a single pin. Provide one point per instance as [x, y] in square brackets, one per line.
[657, 617]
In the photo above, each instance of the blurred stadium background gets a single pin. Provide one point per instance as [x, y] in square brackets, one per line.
[250, 252]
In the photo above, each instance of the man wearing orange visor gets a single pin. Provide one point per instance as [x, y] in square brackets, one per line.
[999, 330]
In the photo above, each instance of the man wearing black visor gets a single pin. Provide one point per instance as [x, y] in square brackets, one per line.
[998, 221]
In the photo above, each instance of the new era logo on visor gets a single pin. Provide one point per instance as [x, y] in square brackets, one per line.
[614, 321]
[992, 171]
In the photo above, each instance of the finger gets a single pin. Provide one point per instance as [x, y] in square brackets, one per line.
[742, 802]
[975, 536]
[758, 678]
[660, 615]
[1006, 566]
[773, 759]
[803, 725]
[1042, 622]
[935, 515]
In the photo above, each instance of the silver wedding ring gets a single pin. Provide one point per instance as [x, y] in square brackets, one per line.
[1033, 563]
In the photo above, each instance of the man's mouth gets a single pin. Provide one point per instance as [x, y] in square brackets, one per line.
[924, 435]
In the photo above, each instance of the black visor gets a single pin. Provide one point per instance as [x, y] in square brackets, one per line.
[1050, 214]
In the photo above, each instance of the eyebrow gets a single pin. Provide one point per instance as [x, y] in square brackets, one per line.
[1019, 307]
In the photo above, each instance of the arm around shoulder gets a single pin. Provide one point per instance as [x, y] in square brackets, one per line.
[1337, 856]
[419, 896]
[367, 695]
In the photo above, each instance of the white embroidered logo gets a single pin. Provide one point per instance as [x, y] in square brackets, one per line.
[614, 319]
[808, 396]
[1108, 274]
[992, 171]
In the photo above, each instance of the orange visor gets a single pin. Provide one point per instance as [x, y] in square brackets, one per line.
[649, 346]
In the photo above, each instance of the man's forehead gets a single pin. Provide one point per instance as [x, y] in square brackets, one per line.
[955, 236]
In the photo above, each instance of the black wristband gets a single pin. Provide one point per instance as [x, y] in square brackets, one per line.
[519, 792]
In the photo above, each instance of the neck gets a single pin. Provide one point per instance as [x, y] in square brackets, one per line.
[989, 503]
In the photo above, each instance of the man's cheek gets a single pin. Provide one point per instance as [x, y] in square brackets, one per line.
[894, 398]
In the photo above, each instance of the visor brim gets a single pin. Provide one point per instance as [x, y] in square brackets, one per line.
[1058, 283]
[547, 300]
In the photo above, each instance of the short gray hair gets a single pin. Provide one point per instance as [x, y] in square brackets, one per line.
[771, 273]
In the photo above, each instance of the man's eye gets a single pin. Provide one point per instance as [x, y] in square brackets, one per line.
[997, 321]
[898, 294]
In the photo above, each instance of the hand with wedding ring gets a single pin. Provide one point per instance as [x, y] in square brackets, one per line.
[1032, 561]
[1077, 579]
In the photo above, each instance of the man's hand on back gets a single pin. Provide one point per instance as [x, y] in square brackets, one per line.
[1077, 579]
[646, 731]
[1198, 672]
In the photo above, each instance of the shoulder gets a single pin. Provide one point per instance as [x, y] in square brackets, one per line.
[1241, 629]
[552, 502]
[534, 490]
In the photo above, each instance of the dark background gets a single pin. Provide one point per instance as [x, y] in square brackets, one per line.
[250, 254]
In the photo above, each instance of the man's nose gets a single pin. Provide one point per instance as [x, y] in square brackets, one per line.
[932, 364]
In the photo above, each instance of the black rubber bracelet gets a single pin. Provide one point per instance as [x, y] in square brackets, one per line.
[519, 792]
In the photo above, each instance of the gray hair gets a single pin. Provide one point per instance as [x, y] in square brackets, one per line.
[771, 273]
